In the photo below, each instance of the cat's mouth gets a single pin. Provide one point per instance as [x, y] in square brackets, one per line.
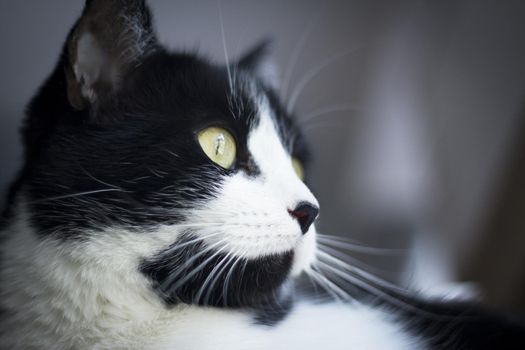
[191, 272]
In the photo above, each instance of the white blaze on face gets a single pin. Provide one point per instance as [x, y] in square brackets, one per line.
[250, 215]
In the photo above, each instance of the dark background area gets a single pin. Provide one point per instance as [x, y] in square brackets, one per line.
[415, 111]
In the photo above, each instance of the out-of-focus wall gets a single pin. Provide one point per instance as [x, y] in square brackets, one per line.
[412, 108]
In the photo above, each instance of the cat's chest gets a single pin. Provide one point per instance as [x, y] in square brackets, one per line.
[308, 326]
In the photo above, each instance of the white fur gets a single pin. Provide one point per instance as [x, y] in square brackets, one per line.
[252, 212]
[91, 295]
[65, 297]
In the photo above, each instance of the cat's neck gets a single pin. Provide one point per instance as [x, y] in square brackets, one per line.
[112, 307]
[45, 284]
[95, 307]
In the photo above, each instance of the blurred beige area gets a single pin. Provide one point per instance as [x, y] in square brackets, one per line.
[415, 111]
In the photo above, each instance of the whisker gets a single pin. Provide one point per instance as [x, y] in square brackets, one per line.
[294, 57]
[313, 283]
[180, 246]
[403, 305]
[360, 272]
[243, 270]
[338, 293]
[341, 242]
[311, 116]
[228, 277]
[98, 180]
[199, 267]
[187, 264]
[192, 241]
[229, 258]
[76, 195]
[353, 264]
[313, 73]
[172, 153]
[223, 37]
[317, 281]
[326, 241]
[362, 284]
[212, 276]
[168, 260]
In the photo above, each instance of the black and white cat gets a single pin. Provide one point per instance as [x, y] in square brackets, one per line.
[162, 206]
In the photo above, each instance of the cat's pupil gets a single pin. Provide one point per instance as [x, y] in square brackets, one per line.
[220, 145]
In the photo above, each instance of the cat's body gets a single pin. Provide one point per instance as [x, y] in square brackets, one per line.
[158, 208]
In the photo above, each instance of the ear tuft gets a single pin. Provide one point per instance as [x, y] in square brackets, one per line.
[110, 38]
[257, 61]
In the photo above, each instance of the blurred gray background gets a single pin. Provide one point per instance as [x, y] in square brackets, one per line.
[415, 111]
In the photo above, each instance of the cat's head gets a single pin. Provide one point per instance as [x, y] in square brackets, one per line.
[187, 172]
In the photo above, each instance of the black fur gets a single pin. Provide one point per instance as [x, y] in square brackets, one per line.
[255, 284]
[136, 145]
[131, 160]
[466, 326]
[445, 324]
[127, 146]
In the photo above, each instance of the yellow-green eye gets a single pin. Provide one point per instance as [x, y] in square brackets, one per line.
[219, 146]
[298, 167]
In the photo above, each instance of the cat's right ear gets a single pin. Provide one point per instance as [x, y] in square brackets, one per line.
[110, 38]
[258, 61]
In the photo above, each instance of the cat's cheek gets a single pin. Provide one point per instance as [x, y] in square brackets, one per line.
[304, 254]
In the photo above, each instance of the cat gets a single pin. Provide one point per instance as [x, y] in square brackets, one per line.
[163, 204]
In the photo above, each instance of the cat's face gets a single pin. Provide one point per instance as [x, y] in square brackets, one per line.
[187, 172]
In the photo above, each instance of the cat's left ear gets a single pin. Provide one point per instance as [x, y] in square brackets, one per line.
[259, 63]
[110, 38]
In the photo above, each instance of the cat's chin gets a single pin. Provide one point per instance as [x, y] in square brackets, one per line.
[305, 253]
[214, 278]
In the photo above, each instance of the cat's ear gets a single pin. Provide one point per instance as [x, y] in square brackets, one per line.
[110, 38]
[258, 61]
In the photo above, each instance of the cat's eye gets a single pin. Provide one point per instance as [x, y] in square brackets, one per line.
[219, 146]
[298, 168]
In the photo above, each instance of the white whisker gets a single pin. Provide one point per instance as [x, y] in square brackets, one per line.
[187, 263]
[98, 180]
[227, 279]
[76, 195]
[353, 264]
[198, 268]
[311, 116]
[338, 293]
[211, 278]
[223, 37]
[341, 242]
[294, 57]
[379, 281]
[375, 291]
[230, 258]
[312, 74]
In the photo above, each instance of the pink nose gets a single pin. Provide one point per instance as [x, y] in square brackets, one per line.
[305, 213]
